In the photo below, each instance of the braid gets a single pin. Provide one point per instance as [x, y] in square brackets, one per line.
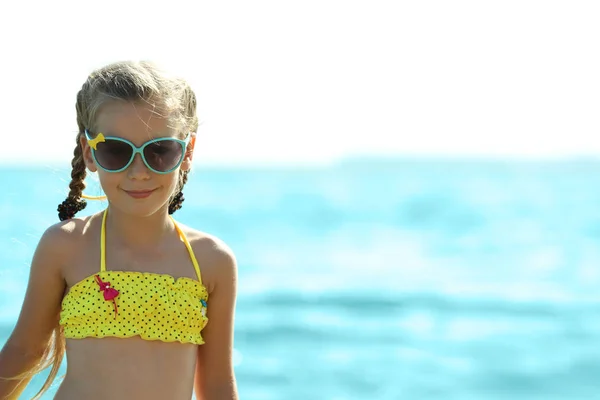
[176, 201]
[74, 203]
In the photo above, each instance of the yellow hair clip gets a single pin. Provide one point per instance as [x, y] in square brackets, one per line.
[94, 142]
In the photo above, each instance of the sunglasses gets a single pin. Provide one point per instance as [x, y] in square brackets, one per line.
[114, 154]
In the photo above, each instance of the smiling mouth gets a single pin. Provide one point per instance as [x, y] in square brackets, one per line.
[139, 194]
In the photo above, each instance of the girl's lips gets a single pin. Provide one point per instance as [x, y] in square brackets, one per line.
[139, 194]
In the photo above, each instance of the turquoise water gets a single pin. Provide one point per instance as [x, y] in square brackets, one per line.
[407, 279]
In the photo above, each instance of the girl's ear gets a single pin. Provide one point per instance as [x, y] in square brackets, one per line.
[186, 165]
[86, 153]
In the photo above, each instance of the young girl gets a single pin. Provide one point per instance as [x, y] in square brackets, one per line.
[142, 305]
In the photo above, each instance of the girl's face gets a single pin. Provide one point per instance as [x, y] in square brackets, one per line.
[137, 189]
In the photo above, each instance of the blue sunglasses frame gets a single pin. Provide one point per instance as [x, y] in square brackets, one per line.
[136, 150]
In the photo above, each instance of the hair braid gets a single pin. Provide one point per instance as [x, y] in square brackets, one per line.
[74, 203]
[177, 200]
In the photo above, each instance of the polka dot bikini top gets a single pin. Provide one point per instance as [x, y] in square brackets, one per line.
[125, 304]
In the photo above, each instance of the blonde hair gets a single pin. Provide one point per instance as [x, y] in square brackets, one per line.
[52, 356]
[170, 97]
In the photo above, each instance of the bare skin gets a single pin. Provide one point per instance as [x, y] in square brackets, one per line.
[131, 368]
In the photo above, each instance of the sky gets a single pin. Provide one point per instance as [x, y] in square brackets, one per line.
[318, 81]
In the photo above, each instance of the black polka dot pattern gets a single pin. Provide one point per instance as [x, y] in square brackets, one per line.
[153, 306]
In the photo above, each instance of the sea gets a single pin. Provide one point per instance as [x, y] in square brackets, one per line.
[399, 278]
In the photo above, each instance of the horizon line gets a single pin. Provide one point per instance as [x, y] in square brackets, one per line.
[355, 159]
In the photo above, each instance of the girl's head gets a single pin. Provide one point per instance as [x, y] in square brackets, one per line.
[124, 107]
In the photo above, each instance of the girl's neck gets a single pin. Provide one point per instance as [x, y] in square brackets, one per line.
[137, 231]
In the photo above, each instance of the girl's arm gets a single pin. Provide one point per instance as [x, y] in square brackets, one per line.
[215, 377]
[39, 314]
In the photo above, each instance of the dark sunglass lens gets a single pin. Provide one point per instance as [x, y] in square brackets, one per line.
[163, 155]
[113, 154]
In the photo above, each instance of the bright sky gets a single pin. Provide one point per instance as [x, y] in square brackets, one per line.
[316, 80]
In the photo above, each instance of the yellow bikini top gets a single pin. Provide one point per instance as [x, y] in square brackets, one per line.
[125, 303]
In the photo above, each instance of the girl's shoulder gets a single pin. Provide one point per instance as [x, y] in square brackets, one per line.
[65, 236]
[216, 258]
[71, 229]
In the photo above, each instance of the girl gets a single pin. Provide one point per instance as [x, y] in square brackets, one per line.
[125, 293]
